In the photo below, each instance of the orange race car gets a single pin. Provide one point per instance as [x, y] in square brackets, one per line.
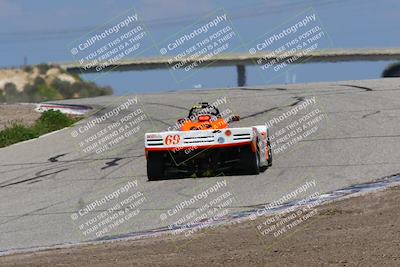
[204, 144]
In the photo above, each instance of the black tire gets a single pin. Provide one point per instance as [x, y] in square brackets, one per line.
[269, 149]
[269, 154]
[250, 161]
[155, 166]
[269, 162]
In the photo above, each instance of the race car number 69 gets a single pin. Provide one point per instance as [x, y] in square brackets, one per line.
[172, 139]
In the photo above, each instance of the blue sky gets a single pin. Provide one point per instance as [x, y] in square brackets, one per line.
[42, 31]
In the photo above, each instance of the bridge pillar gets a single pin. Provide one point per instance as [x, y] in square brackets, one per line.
[241, 75]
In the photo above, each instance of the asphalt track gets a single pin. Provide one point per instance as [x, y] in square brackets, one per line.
[45, 181]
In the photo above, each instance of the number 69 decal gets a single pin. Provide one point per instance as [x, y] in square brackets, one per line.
[172, 139]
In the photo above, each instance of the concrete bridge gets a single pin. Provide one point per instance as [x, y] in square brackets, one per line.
[240, 60]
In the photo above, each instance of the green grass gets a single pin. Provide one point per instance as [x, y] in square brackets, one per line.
[48, 122]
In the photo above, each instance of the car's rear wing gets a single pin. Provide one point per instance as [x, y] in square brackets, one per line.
[200, 139]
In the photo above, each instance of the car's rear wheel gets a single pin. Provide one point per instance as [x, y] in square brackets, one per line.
[155, 166]
[250, 161]
[269, 154]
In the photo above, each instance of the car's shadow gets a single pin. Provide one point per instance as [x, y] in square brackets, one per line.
[179, 176]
